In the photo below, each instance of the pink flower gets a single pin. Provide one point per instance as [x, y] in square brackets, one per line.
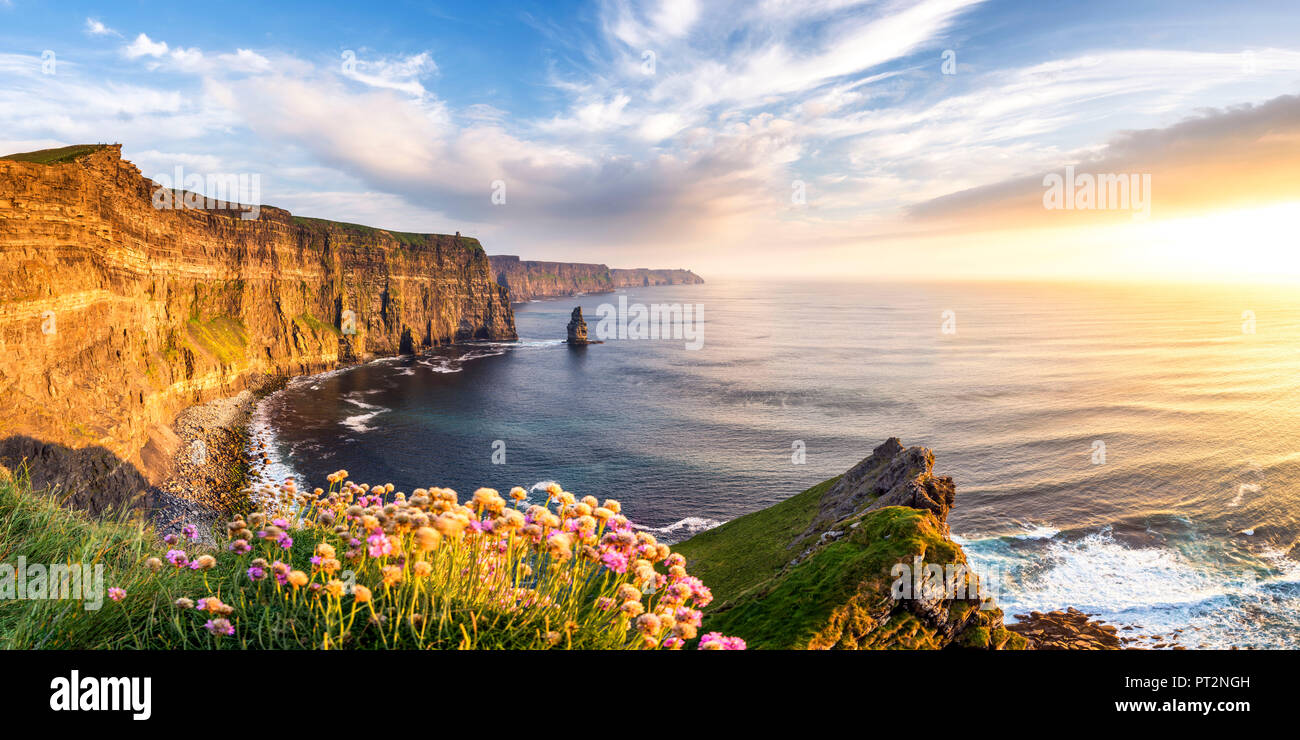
[116, 594]
[379, 544]
[219, 627]
[615, 561]
[177, 558]
[718, 641]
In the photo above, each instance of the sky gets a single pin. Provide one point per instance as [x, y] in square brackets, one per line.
[841, 139]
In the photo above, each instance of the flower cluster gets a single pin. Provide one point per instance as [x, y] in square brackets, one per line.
[427, 570]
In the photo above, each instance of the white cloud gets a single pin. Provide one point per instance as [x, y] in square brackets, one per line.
[143, 46]
[402, 74]
[244, 60]
[96, 28]
[187, 60]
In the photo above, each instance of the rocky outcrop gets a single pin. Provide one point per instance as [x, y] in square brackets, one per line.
[860, 561]
[1067, 630]
[529, 280]
[115, 314]
[891, 476]
[577, 327]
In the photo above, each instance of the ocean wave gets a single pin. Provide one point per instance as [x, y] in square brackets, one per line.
[683, 528]
[352, 399]
[1038, 532]
[1164, 593]
[1031, 531]
[358, 423]
[455, 364]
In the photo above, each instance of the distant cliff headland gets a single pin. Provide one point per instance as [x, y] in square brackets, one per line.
[530, 279]
[115, 314]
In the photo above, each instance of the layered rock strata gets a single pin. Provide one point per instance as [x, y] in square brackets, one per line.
[116, 314]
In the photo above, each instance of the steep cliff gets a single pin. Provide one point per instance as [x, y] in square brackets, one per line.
[644, 277]
[116, 314]
[850, 564]
[530, 279]
[527, 280]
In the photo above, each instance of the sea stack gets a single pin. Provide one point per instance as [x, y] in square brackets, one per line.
[577, 328]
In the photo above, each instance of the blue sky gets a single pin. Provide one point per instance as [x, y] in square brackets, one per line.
[650, 134]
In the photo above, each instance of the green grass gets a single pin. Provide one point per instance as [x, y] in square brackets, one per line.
[749, 550]
[34, 526]
[405, 238]
[55, 156]
[788, 612]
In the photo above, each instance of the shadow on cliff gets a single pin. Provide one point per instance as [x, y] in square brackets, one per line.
[91, 478]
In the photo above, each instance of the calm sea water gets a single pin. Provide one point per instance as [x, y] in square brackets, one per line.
[1130, 451]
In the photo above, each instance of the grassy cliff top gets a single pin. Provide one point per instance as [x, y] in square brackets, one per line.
[408, 238]
[65, 154]
[749, 550]
[55, 156]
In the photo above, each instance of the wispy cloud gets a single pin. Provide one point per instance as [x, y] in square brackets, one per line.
[402, 74]
[96, 28]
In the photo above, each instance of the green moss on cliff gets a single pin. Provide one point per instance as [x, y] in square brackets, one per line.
[55, 156]
[749, 550]
[223, 337]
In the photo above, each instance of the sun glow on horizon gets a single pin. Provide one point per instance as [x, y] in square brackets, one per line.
[1245, 244]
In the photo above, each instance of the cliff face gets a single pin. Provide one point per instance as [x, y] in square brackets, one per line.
[644, 277]
[115, 315]
[530, 279]
[847, 564]
[527, 280]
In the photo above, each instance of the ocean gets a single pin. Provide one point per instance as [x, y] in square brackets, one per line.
[1131, 451]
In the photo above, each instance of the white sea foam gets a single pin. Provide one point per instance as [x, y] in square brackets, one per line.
[358, 423]
[1156, 589]
[683, 528]
[260, 430]
[456, 364]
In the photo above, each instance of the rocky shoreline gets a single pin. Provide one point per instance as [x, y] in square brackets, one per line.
[211, 468]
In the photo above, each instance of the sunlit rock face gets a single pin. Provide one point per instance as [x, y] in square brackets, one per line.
[116, 314]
